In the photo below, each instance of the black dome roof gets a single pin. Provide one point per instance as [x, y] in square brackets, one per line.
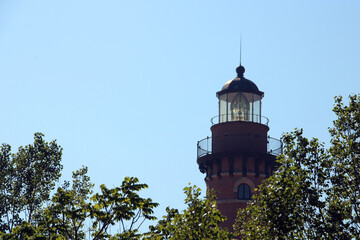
[240, 84]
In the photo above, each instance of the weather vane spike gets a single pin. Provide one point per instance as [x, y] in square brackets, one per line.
[240, 46]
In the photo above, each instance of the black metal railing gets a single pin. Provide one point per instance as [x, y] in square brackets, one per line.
[274, 146]
[204, 146]
[239, 118]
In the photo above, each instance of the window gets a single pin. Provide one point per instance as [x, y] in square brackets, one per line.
[240, 108]
[244, 191]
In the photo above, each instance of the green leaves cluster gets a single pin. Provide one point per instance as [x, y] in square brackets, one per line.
[121, 204]
[75, 212]
[315, 192]
[27, 211]
[200, 220]
[26, 180]
[71, 208]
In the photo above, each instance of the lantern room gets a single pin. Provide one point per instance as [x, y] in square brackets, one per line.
[240, 100]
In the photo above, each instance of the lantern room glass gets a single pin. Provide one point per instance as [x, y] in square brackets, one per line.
[239, 106]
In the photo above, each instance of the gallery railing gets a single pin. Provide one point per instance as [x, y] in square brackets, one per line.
[204, 146]
[239, 117]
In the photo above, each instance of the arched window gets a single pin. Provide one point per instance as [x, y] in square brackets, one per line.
[244, 191]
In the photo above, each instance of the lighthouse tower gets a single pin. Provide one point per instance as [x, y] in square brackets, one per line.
[239, 155]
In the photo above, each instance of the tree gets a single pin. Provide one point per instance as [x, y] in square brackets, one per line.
[26, 231]
[69, 208]
[200, 220]
[26, 180]
[315, 192]
[121, 204]
[28, 212]
[72, 207]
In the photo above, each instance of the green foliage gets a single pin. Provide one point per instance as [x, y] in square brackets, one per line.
[72, 207]
[121, 204]
[23, 231]
[344, 207]
[26, 180]
[69, 208]
[200, 220]
[26, 212]
[315, 192]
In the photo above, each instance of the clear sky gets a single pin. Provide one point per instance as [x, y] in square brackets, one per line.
[128, 87]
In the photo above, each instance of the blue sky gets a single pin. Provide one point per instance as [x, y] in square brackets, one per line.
[128, 87]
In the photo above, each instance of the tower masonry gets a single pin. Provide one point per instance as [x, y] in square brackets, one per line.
[239, 155]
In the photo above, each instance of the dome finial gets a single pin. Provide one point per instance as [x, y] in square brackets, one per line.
[240, 71]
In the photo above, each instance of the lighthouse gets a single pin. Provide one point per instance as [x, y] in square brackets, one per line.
[239, 155]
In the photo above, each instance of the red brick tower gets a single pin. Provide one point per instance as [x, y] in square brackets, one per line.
[239, 155]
